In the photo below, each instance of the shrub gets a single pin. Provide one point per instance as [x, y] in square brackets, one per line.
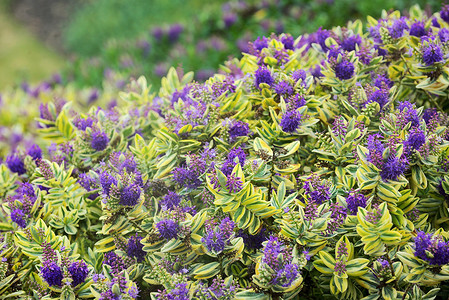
[306, 170]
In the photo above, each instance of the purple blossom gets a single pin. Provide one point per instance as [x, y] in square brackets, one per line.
[170, 201]
[355, 200]
[438, 249]
[296, 101]
[415, 140]
[443, 34]
[321, 36]
[18, 217]
[99, 141]
[106, 181]
[340, 268]
[382, 81]
[290, 121]
[82, 123]
[229, 19]
[299, 74]
[233, 184]
[432, 53]
[349, 44]
[380, 96]
[186, 177]
[263, 75]
[158, 33]
[78, 271]
[344, 70]
[15, 164]
[444, 13]
[283, 272]
[393, 168]
[52, 274]
[179, 292]
[182, 94]
[238, 128]
[217, 237]
[114, 261]
[130, 195]
[288, 41]
[253, 241]
[260, 43]
[35, 152]
[417, 29]
[429, 113]
[174, 32]
[230, 162]
[283, 88]
[317, 191]
[316, 71]
[135, 248]
[168, 229]
[398, 27]
[409, 113]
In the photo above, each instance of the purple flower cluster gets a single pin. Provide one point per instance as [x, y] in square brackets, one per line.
[53, 273]
[290, 121]
[344, 70]
[277, 257]
[15, 164]
[89, 183]
[21, 204]
[233, 184]
[432, 54]
[263, 75]
[217, 237]
[392, 167]
[78, 271]
[238, 128]
[168, 229]
[236, 155]
[217, 290]
[130, 195]
[99, 140]
[170, 200]
[355, 200]
[116, 263]
[432, 249]
[135, 248]
[83, 123]
[316, 191]
[179, 292]
[35, 152]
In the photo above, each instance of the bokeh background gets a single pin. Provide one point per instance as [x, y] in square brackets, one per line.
[84, 41]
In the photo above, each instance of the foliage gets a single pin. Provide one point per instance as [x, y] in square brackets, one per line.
[315, 167]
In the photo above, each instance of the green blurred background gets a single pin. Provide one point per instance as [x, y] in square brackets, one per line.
[82, 39]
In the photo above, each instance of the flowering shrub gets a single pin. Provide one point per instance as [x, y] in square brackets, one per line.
[315, 167]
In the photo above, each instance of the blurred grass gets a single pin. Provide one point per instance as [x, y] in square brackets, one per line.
[22, 56]
[101, 20]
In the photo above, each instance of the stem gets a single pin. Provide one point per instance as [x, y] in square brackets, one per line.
[406, 291]
[392, 270]
[138, 226]
[220, 261]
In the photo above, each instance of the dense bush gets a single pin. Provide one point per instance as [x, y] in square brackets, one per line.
[313, 168]
[200, 43]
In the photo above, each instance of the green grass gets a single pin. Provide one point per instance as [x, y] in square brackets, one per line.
[101, 20]
[22, 56]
